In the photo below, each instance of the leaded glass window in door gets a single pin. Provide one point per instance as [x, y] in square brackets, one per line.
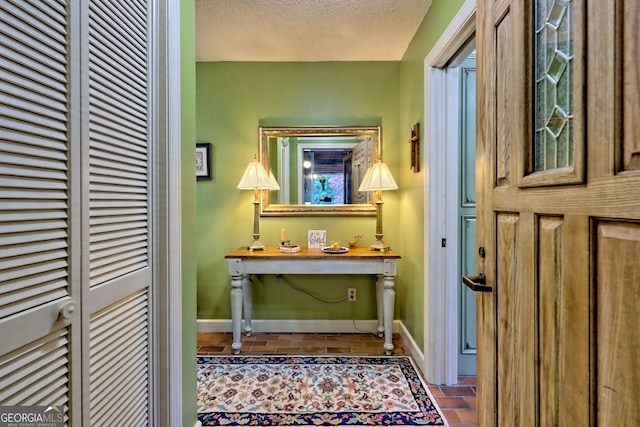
[554, 75]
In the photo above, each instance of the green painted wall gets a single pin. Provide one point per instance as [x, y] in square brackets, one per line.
[233, 99]
[410, 300]
[189, 202]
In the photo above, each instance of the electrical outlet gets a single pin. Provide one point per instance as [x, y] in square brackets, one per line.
[351, 294]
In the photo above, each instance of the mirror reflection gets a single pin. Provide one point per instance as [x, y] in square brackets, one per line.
[319, 169]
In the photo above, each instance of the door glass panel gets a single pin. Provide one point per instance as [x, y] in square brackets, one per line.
[553, 145]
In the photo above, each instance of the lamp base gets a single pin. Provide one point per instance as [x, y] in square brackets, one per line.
[257, 246]
[379, 245]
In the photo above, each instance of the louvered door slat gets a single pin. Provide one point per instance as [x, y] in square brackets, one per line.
[106, 231]
[20, 76]
[124, 104]
[112, 207]
[117, 129]
[34, 163]
[106, 161]
[121, 346]
[13, 193]
[125, 254]
[114, 270]
[19, 364]
[119, 194]
[14, 239]
[32, 226]
[10, 82]
[101, 168]
[106, 245]
[35, 261]
[127, 156]
[29, 216]
[120, 233]
[128, 216]
[49, 350]
[36, 135]
[23, 54]
[129, 401]
[49, 19]
[133, 15]
[34, 209]
[119, 356]
[54, 365]
[25, 301]
[132, 43]
[118, 148]
[32, 184]
[53, 391]
[106, 76]
[101, 38]
[45, 273]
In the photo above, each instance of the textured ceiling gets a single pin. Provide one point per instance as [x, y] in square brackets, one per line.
[306, 30]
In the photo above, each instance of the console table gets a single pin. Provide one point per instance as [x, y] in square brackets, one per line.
[244, 263]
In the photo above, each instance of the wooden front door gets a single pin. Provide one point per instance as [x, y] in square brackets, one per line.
[558, 180]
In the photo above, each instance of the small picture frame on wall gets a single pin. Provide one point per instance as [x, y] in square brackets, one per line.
[203, 161]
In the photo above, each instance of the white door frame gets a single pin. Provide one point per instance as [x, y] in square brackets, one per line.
[441, 182]
[168, 224]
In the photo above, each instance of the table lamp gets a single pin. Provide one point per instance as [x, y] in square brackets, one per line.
[257, 178]
[378, 178]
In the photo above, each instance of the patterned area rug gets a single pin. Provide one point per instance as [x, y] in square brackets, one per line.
[313, 391]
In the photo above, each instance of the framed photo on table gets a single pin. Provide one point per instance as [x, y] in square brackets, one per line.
[203, 161]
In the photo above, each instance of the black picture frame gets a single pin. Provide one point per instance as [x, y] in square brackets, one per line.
[203, 161]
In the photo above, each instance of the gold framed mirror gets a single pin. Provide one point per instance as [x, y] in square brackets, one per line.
[319, 169]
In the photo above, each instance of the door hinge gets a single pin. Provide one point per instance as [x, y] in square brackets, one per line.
[444, 243]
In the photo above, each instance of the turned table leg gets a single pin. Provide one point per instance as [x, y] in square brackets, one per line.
[380, 304]
[236, 312]
[389, 297]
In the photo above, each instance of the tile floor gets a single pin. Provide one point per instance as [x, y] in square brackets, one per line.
[457, 402]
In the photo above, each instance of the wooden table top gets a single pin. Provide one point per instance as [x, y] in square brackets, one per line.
[306, 253]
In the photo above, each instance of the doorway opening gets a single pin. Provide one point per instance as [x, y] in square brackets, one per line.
[442, 190]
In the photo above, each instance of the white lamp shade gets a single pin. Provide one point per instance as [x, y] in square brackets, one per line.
[274, 181]
[255, 177]
[378, 177]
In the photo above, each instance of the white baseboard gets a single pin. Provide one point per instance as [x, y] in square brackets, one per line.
[301, 326]
[198, 424]
[416, 352]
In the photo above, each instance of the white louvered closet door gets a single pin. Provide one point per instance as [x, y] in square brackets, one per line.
[75, 197]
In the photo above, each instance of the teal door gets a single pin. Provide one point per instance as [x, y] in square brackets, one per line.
[467, 218]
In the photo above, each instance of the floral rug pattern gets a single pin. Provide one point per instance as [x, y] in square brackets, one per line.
[312, 391]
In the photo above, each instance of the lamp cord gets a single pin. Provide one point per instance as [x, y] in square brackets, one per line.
[304, 291]
[280, 277]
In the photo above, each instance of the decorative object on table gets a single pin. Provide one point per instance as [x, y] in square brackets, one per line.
[335, 250]
[203, 161]
[355, 240]
[256, 178]
[289, 249]
[378, 178]
[283, 240]
[316, 239]
[313, 391]
[415, 147]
